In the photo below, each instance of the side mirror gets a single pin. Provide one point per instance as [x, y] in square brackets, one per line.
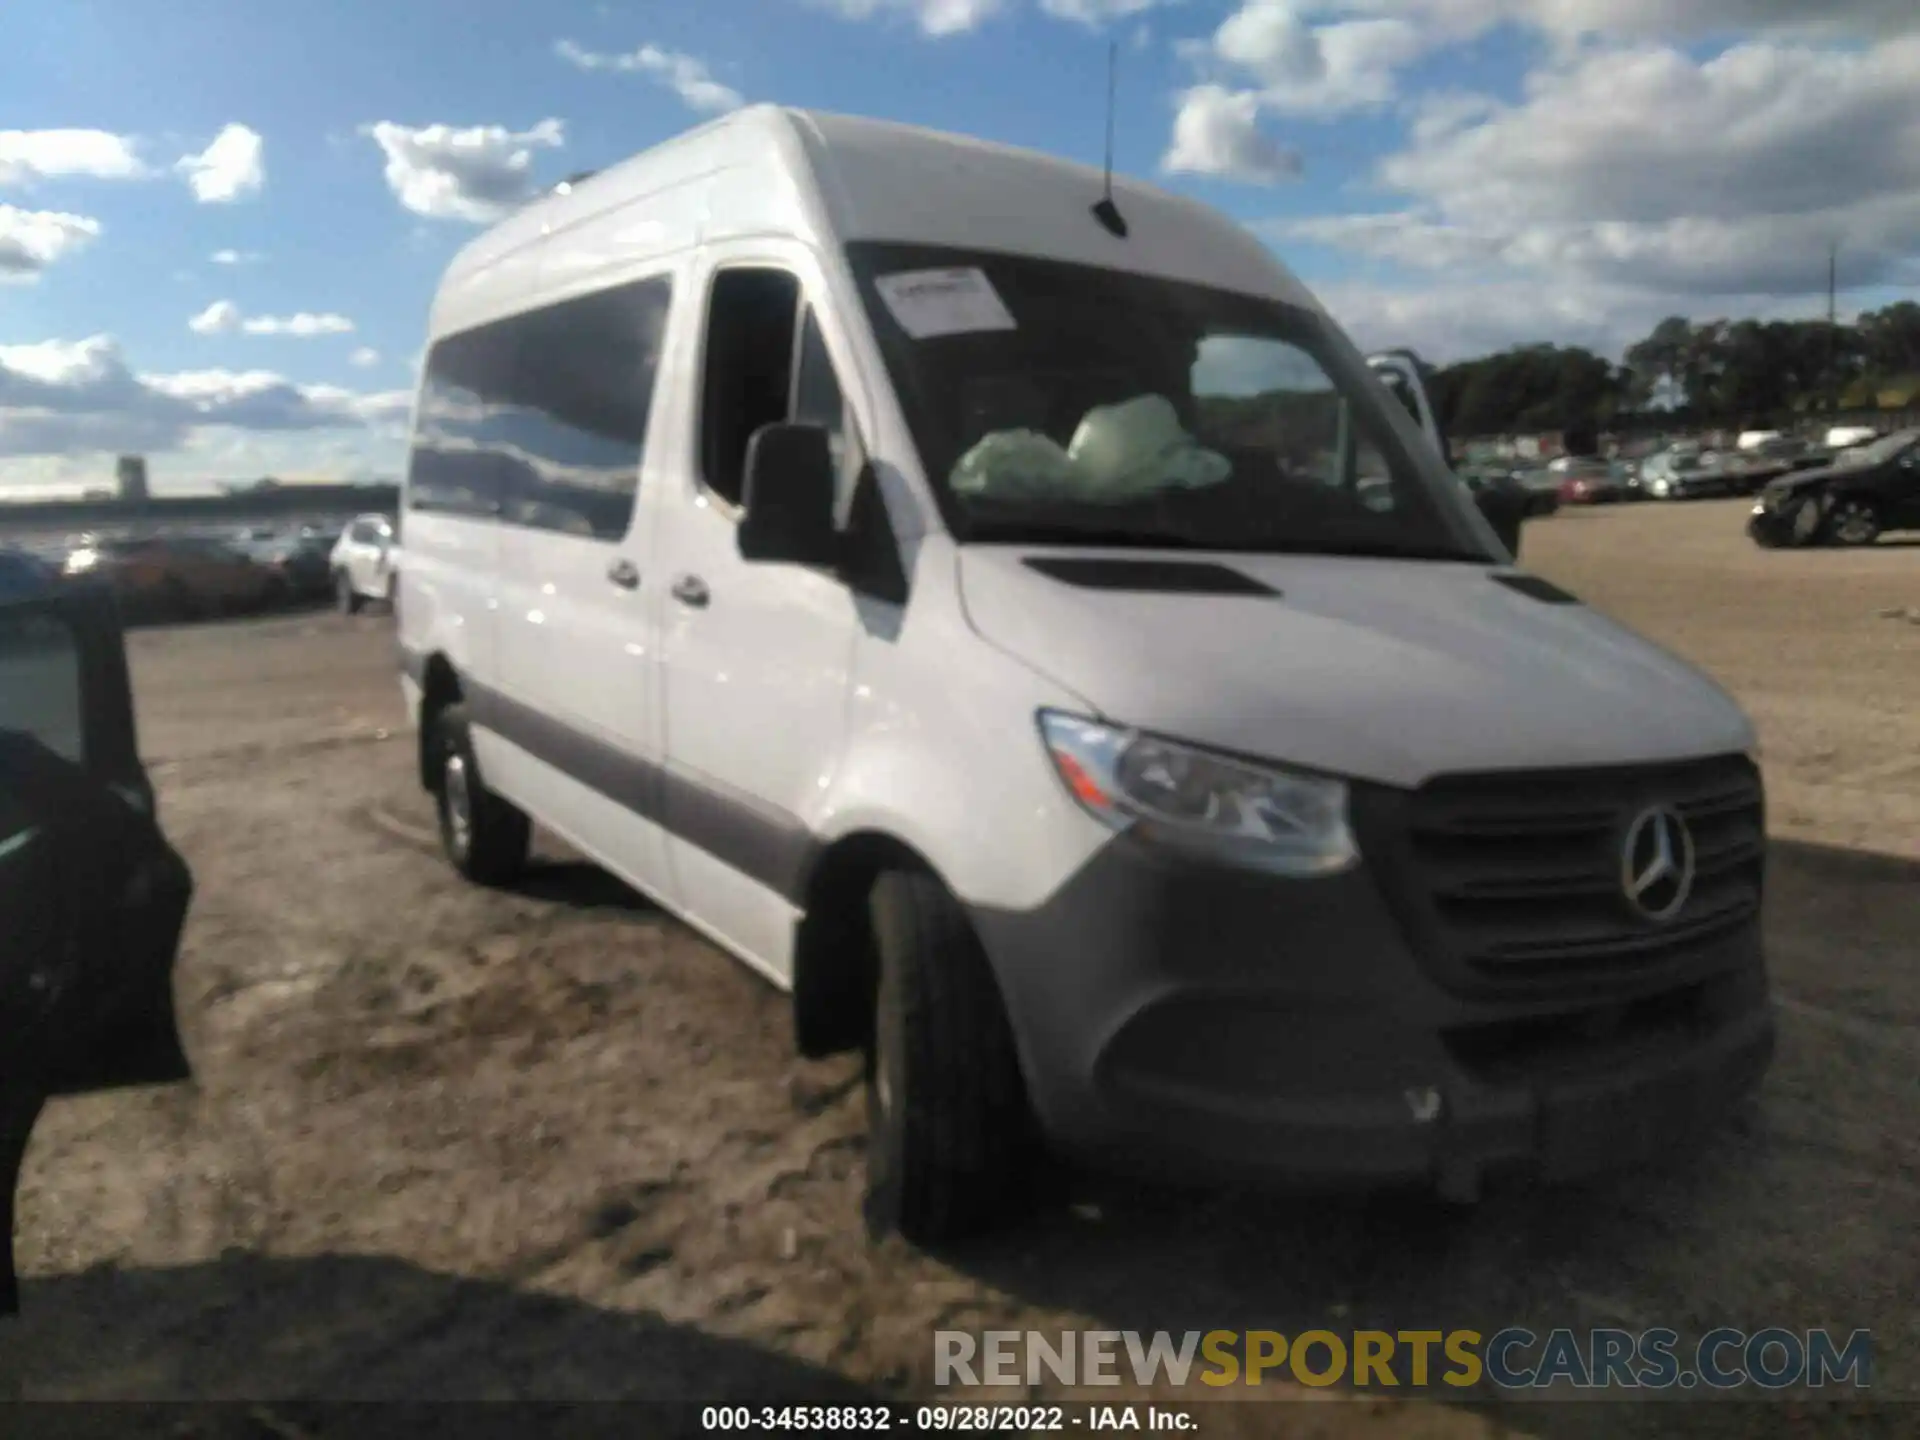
[789, 497]
[1505, 507]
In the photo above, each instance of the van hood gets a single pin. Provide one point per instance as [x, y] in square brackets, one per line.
[1386, 670]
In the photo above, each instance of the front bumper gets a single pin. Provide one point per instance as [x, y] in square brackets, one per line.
[1190, 1022]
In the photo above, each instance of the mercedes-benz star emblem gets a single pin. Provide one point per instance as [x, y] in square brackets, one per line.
[1656, 863]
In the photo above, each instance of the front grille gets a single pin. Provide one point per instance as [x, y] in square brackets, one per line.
[1513, 883]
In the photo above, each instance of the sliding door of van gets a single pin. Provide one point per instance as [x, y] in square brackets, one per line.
[569, 719]
[574, 635]
[756, 656]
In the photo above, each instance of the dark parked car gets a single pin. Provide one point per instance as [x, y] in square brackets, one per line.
[178, 577]
[1865, 492]
[1491, 480]
[298, 558]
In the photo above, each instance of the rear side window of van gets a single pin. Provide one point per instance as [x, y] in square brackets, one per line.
[541, 419]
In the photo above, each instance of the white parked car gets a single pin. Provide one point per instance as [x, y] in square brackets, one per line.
[364, 562]
[1023, 627]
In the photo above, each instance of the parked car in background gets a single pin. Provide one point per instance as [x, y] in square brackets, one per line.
[303, 559]
[1864, 493]
[1679, 474]
[1536, 499]
[363, 562]
[1591, 482]
[178, 577]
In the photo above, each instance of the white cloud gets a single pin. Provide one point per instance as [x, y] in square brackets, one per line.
[687, 77]
[301, 326]
[30, 155]
[79, 398]
[1632, 178]
[1304, 68]
[1216, 132]
[366, 357]
[223, 317]
[32, 240]
[233, 166]
[234, 257]
[1095, 13]
[477, 174]
[1648, 133]
[933, 17]
[1648, 19]
[218, 318]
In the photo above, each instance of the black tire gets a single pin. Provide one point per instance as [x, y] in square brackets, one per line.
[179, 604]
[951, 1147]
[345, 597]
[1803, 521]
[1852, 520]
[486, 838]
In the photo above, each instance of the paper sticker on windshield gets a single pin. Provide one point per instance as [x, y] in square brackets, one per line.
[932, 303]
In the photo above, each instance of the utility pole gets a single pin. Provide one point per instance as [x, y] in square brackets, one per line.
[1833, 328]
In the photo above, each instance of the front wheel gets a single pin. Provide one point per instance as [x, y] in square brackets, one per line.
[1804, 520]
[486, 837]
[950, 1145]
[1853, 521]
[345, 597]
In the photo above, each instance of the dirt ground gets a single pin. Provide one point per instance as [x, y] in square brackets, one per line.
[451, 1143]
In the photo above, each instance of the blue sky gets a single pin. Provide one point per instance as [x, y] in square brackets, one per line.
[221, 221]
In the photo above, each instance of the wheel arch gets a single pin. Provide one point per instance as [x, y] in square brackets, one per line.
[834, 962]
[439, 688]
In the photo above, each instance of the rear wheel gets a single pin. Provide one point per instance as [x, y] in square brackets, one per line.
[344, 595]
[950, 1145]
[486, 837]
[1853, 521]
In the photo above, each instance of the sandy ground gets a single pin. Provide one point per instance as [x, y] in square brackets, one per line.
[549, 1143]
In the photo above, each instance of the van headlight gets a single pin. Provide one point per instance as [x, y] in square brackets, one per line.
[1262, 817]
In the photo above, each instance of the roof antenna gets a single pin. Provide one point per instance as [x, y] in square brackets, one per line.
[1106, 212]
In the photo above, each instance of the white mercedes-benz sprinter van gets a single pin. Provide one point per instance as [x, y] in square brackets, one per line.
[1027, 630]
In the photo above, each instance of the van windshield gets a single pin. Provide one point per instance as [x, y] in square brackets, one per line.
[1057, 403]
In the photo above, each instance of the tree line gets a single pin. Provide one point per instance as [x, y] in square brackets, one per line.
[1749, 373]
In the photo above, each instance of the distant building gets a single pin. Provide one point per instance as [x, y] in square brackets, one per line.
[132, 474]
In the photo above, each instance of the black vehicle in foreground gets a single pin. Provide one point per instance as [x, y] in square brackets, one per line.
[92, 897]
[1864, 493]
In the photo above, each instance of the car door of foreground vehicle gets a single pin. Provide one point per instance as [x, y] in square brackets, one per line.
[755, 657]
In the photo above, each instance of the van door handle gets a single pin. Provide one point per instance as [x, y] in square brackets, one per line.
[625, 574]
[691, 590]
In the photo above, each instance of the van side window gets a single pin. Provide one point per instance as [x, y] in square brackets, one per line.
[580, 398]
[750, 347]
[453, 467]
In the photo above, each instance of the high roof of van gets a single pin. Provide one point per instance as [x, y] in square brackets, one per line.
[829, 178]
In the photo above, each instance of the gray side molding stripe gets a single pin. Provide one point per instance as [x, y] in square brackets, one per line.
[764, 843]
